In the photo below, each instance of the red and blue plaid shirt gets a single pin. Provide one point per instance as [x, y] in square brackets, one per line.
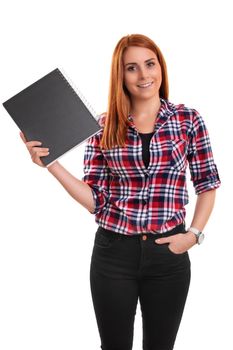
[130, 198]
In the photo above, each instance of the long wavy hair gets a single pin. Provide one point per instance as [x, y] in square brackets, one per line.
[116, 117]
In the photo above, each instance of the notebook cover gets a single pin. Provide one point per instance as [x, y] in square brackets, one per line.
[51, 111]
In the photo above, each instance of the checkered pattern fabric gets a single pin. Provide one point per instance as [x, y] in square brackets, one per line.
[130, 198]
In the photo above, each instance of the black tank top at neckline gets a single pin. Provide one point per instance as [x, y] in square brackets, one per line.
[146, 137]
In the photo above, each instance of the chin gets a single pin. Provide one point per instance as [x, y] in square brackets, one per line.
[147, 94]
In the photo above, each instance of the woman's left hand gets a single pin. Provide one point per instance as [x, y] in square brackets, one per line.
[179, 243]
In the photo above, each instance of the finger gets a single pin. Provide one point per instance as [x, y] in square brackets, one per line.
[22, 137]
[37, 161]
[39, 149]
[168, 239]
[31, 144]
[163, 240]
[39, 154]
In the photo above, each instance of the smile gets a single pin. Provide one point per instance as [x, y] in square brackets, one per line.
[145, 85]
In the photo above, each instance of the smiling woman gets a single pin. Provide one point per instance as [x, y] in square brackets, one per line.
[138, 79]
[135, 184]
[142, 80]
[144, 75]
[136, 167]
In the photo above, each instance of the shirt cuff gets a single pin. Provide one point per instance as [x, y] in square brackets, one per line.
[211, 182]
[99, 199]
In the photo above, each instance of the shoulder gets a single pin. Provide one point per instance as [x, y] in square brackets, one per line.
[187, 113]
[182, 108]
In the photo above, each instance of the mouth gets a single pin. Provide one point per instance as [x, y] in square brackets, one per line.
[146, 85]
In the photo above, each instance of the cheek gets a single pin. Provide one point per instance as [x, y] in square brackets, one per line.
[129, 84]
[157, 74]
[128, 80]
[160, 74]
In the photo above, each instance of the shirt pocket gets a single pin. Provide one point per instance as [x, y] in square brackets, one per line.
[179, 149]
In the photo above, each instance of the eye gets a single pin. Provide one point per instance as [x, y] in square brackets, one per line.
[150, 64]
[131, 68]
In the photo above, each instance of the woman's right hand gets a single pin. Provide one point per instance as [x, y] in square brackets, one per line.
[35, 151]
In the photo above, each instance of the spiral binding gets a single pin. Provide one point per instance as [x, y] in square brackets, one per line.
[78, 92]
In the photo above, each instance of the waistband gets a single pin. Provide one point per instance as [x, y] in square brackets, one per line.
[178, 229]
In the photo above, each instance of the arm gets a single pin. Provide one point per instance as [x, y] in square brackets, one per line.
[204, 206]
[96, 173]
[205, 178]
[204, 172]
[92, 190]
[203, 209]
[78, 189]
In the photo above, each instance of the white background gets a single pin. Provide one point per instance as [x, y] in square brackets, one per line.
[46, 238]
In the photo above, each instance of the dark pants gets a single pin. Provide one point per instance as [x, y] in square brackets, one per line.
[125, 268]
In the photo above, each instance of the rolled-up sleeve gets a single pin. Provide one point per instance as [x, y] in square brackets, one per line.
[203, 170]
[96, 172]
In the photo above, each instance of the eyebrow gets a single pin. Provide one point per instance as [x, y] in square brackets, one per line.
[136, 63]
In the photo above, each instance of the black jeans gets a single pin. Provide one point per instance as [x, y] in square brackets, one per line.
[125, 268]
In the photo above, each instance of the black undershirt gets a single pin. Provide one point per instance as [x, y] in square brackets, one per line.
[145, 147]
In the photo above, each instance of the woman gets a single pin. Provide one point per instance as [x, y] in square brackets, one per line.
[135, 184]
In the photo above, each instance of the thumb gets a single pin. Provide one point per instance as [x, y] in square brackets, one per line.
[163, 240]
[22, 137]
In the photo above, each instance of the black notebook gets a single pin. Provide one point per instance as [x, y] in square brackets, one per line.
[55, 113]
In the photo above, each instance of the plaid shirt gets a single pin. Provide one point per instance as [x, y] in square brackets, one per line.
[130, 198]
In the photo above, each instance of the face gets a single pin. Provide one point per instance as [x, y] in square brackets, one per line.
[142, 72]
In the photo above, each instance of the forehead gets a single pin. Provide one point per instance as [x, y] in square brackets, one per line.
[137, 54]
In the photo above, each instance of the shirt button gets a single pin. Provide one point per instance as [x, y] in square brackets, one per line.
[144, 237]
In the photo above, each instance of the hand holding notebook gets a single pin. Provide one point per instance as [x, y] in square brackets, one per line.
[53, 112]
[35, 150]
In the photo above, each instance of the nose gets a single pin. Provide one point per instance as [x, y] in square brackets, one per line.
[143, 74]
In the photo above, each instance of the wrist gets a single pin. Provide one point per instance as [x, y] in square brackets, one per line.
[192, 237]
[53, 166]
[198, 234]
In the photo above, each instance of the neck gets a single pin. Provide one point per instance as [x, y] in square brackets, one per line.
[146, 108]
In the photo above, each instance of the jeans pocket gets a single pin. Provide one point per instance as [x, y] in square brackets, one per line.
[105, 241]
[173, 253]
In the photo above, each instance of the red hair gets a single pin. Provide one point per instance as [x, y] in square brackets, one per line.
[116, 118]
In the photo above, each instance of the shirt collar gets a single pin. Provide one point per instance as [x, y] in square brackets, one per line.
[166, 109]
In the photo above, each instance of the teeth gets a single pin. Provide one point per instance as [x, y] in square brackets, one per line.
[145, 85]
